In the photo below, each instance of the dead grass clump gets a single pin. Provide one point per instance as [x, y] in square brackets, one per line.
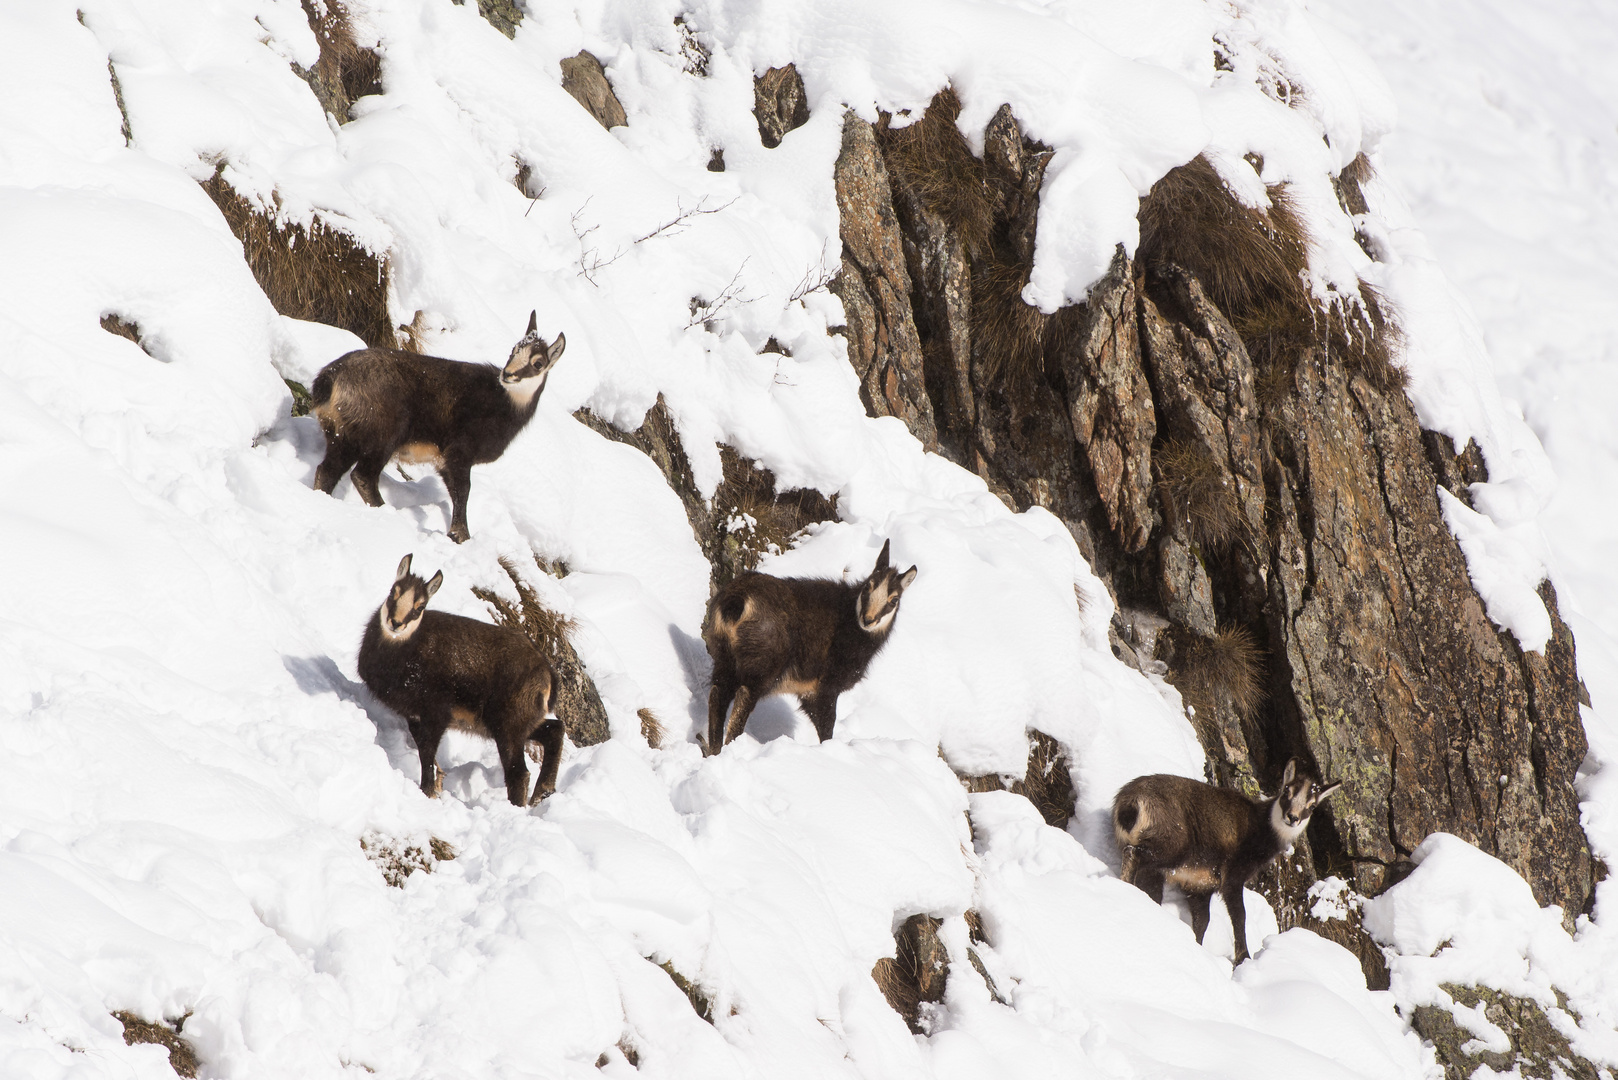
[1010, 333]
[916, 972]
[346, 71]
[700, 1001]
[182, 1058]
[316, 273]
[1227, 667]
[1350, 185]
[116, 324]
[933, 161]
[1244, 257]
[1197, 491]
[651, 728]
[577, 701]
[753, 519]
[1047, 783]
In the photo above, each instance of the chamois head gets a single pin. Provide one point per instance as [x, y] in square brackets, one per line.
[1300, 794]
[406, 602]
[531, 358]
[878, 601]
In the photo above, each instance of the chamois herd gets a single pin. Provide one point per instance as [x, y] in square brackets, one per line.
[766, 635]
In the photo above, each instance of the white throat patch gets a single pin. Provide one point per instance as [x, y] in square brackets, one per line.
[522, 392]
[882, 624]
[1287, 834]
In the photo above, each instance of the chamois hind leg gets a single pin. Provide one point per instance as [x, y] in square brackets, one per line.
[1199, 913]
[1236, 904]
[1149, 880]
[822, 712]
[367, 471]
[549, 736]
[428, 732]
[340, 457]
[745, 700]
[458, 479]
[720, 696]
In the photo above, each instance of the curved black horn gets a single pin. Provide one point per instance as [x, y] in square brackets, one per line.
[533, 321]
[882, 559]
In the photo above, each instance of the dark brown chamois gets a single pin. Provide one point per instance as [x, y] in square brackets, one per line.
[805, 636]
[1207, 839]
[376, 405]
[438, 670]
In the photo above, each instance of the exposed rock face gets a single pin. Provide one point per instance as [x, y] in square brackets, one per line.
[346, 71]
[779, 103]
[1538, 1048]
[1288, 501]
[874, 286]
[584, 78]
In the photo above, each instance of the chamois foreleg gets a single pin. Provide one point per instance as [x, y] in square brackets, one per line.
[1236, 904]
[514, 763]
[428, 732]
[367, 473]
[549, 737]
[720, 696]
[822, 712]
[745, 700]
[340, 457]
[458, 479]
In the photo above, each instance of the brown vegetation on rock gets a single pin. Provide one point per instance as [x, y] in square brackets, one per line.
[315, 272]
[916, 972]
[182, 1058]
[780, 104]
[346, 70]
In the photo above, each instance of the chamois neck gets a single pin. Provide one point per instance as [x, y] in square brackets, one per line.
[1285, 835]
[524, 395]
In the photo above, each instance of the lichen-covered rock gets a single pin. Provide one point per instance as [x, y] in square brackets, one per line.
[584, 78]
[1538, 1047]
[779, 104]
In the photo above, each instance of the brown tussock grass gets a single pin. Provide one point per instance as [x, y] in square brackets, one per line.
[915, 973]
[1198, 491]
[1011, 333]
[932, 159]
[316, 273]
[1251, 262]
[542, 626]
[1047, 783]
[651, 728]
[1227, 666]
[182, 1058]
[346, 71]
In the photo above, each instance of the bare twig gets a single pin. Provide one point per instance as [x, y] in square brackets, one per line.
[704, 312]
[591, 261]
[814, 279]
[683, 216]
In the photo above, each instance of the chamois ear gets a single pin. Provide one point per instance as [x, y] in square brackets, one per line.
[432, 586]
[533, 321]
[404, 568]
[553, 351]
[1292, 772]
[1327, 790]
[907, 577]
[882, 558]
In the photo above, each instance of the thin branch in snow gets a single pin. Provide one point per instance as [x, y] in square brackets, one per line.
[814, 279]
[705, 312]
[683, 217]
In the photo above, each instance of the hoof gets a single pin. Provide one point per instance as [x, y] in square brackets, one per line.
[459, 534]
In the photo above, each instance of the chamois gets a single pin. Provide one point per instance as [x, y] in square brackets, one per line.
[375, 405]
[1207, 839]
[437, 670]
[805, 636]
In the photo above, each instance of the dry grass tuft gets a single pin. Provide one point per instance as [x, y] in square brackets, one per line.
[933, 161]
[916, 973]
[1197, 491]
[1048, 784]
[974, 927]
[1011, 333]
[651, 728]
[539, 624]
[182, 1058]
[753, 519]
[700, 1001]
[1243, 257]
[1228, 667]
[346, 71]
[1252, 264]
[316, 273]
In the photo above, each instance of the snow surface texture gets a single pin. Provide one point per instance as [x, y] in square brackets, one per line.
[193, 761]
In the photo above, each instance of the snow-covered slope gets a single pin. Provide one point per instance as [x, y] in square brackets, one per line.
[194, 763]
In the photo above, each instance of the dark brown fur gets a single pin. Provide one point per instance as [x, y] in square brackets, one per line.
[446, 669]
[1207, 839]
[804, 636]
[374, 404]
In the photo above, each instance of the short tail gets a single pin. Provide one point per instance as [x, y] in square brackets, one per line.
[320, 392]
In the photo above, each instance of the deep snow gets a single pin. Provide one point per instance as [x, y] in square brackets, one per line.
[194, 763]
